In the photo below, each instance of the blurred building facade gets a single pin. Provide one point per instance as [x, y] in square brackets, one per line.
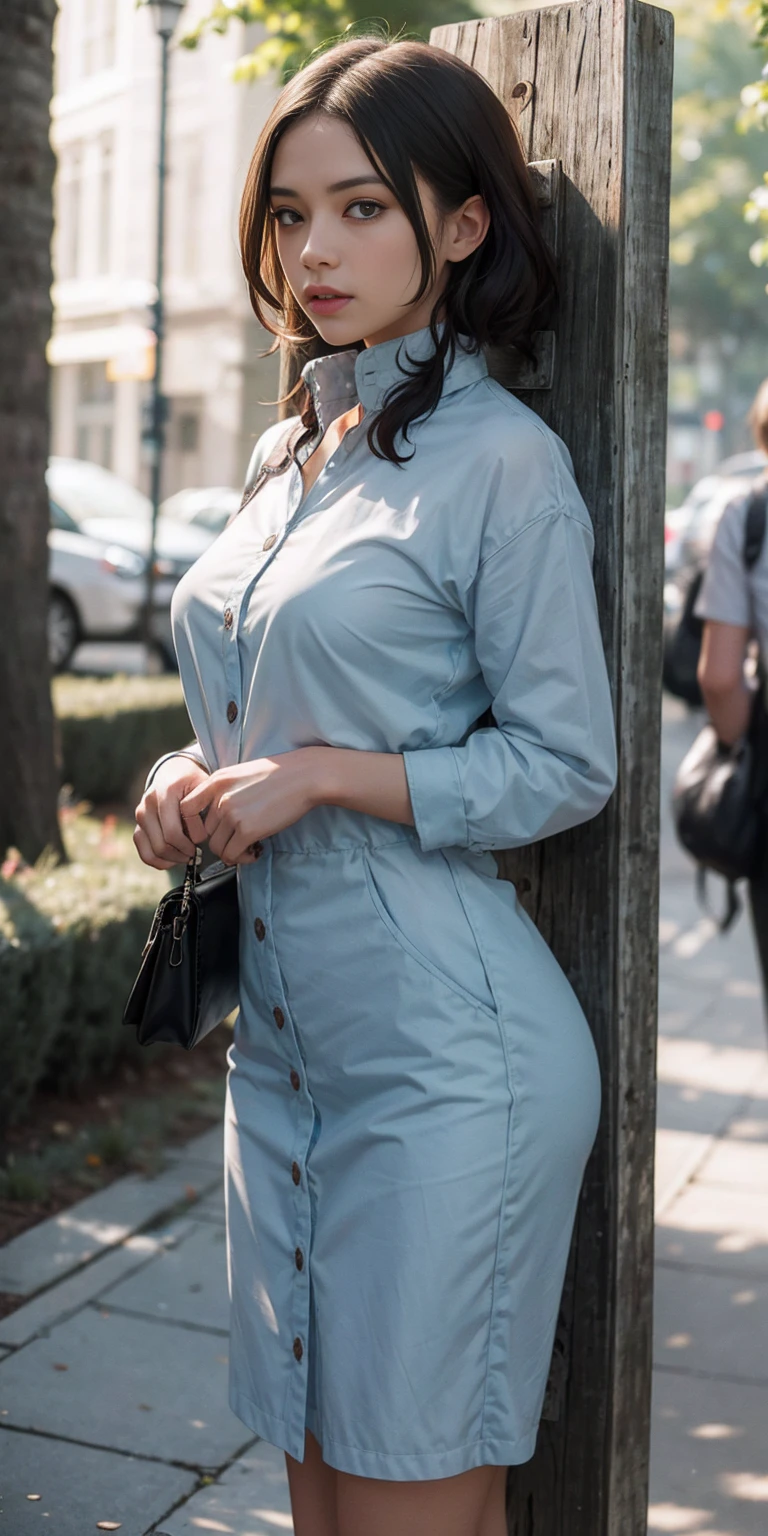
[105, 116]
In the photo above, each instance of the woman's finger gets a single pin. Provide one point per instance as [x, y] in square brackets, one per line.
[219, 839]
[170, 820]
[148, 820]
[192, 806]
[199, 797]
[242, 848]
[146, 852]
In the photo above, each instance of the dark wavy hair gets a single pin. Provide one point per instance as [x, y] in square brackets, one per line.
[413, 108]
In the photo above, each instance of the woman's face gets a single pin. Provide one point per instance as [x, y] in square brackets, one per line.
[341, 232]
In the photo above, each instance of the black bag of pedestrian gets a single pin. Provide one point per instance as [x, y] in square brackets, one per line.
[719, 794]
[682, 651]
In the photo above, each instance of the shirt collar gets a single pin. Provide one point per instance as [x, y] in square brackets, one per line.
[338, 380]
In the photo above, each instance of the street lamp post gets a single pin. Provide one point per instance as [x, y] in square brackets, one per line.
[165, 14]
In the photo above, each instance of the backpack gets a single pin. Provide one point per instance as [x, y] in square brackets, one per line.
[681, 651]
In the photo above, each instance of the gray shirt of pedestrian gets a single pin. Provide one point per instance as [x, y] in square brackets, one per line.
[730, 594]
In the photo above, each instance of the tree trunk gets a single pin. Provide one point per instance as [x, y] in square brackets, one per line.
[28, 777]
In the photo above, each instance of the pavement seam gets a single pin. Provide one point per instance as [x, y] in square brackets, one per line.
[186, 1498]
[152, 1317]
[690, 1173]
[714, 1271]
[690, 1370]
[176, 1209]
[45, 1329]
[203, 1469]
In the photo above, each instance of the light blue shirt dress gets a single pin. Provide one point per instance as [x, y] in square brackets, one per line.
[413, 1088]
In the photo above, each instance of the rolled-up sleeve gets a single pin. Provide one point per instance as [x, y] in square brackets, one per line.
[194, 750]
[550, 760]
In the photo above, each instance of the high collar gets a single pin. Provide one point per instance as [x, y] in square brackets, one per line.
[339, 380]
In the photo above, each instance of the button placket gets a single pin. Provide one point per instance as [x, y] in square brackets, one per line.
[301, 1214]
[264, 556]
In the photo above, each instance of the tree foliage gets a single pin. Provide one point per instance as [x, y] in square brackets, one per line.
[297, 30]
[715, 288]
[754, 114]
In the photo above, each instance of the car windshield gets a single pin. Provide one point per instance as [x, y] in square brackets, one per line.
[86, 490]
[61, 519]
[206, 508]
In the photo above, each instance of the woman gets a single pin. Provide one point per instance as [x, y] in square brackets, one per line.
[733, 601]
[413, 1088]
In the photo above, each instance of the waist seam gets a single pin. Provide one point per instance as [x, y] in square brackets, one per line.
[315, 852]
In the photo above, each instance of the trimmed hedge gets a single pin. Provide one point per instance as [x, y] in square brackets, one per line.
[71, 937]
[112, 729]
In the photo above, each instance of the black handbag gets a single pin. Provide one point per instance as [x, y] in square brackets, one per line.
[188, 979]
[189, 973]
[719, 793]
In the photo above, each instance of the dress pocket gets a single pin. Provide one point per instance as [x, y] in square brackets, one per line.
[431, 925]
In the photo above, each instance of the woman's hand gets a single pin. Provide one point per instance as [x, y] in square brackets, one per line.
[249, 801]
[159, 836]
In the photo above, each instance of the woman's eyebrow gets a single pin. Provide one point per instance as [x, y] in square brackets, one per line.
[337, 186]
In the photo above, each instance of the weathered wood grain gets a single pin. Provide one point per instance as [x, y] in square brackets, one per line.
[601, 76]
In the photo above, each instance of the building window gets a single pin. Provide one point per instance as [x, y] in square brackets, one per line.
[106, 152]
[99, 35]
[185, 185]
[69, 185]
[95, 414]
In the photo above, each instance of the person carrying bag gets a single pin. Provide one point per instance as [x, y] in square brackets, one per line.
[720, 796]
[720, 788]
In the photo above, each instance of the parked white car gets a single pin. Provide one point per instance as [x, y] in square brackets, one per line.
[96, 590]
[209, 509]
[99, 542]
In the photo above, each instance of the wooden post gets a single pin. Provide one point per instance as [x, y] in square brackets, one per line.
[590, 84]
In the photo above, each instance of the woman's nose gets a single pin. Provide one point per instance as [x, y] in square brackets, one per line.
[318, 248]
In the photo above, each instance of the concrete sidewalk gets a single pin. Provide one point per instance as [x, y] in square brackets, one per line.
[709, 1462]
[113, 1404]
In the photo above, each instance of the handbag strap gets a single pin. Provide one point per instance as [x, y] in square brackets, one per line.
[754, 526]
[732, 900]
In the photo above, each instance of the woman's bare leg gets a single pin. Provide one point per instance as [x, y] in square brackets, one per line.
[312, 1485]
[445, 1506]
[325, 1502]
[493, 1521]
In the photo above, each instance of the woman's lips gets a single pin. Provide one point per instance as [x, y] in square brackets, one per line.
[329, 306]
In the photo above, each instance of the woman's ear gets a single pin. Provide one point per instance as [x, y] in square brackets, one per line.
[466, 229]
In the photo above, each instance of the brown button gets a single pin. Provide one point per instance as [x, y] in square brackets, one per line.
[295, 1173]
[228, 617]
[299, 1257]
[259, 928]
[231, 711]
[295, 1080]
[270, 541]
[298, 1348]
[279, 1017]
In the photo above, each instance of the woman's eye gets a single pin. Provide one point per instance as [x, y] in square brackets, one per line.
[285, 216]
[368, 209]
